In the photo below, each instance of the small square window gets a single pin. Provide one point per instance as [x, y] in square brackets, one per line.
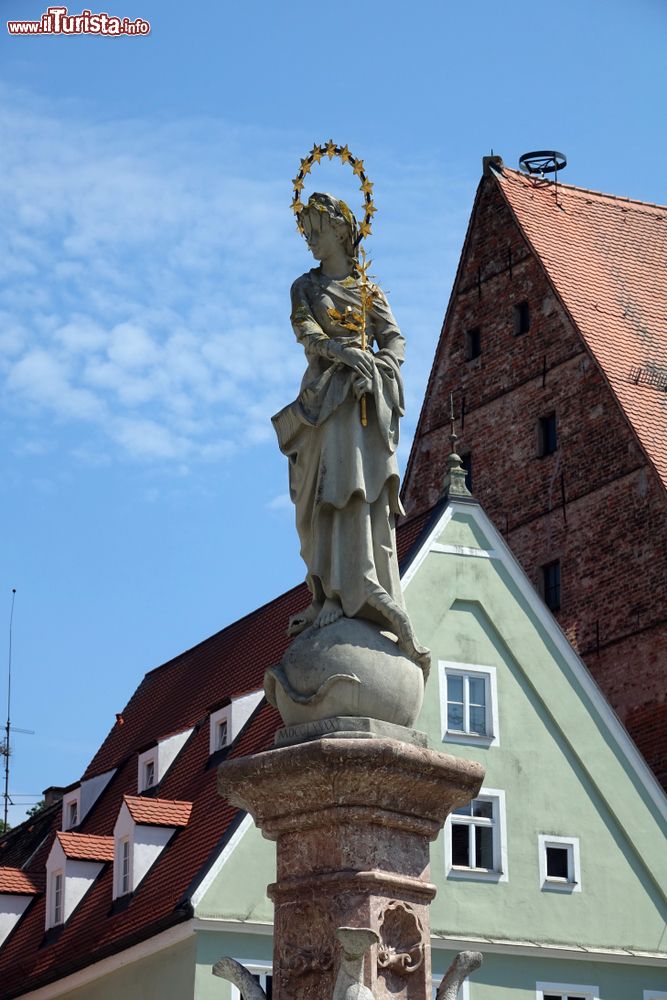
[551, 585]
[149, 774]
[559, 863]
[473, 343]
[521, 318]
[547, 435]
[221, 734]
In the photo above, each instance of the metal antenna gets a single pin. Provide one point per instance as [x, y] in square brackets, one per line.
[8, 728]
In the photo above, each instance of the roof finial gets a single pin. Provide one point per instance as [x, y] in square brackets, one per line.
[455, 478]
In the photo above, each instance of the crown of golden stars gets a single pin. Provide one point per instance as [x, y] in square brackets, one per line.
[330, 149]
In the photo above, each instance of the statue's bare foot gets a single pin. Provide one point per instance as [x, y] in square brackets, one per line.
[330, 613]
[302, 619]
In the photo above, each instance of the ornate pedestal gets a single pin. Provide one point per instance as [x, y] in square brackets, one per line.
[352, 819]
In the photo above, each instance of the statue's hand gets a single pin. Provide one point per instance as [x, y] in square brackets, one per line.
[362, 386]
[361, 361]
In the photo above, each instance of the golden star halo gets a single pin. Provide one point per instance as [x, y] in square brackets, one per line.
[330, 149]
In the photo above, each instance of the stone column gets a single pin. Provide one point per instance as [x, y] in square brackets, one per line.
[352, 820]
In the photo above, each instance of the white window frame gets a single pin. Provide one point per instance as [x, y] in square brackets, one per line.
[256, 968]
[148, 757]
[551, 883]
[148, 765]
[448, 668]
[124, 867]
[70, 799]
[463, 990]
[500, 872]
[222, 715]
[567, 989]
[58, 890]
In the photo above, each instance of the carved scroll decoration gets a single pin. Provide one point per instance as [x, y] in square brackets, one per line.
[402, 941]
[308, 940]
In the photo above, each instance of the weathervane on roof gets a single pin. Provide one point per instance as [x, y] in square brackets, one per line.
[541, 162]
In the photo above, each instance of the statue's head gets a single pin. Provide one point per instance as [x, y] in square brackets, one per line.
[327, 218]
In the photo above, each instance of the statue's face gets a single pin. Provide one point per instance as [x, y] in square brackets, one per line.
[320, 235]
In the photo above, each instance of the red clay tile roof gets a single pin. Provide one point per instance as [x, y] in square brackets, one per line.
[171, 698]
[607, 260]
[13, 880]
[86, 846]
[158, 812]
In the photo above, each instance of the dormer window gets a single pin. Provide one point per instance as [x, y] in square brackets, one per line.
[153, 763]
[222, 734]
[144, 826]
[124, 867]
[72, 814]
[71, 808]
[226, 723]
[74, 862]
[58, 900]
[149, 773]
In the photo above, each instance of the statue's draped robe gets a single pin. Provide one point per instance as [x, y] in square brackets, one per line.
[344, 478]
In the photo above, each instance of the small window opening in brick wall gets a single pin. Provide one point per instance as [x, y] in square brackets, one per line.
[551, 584]
[547, 435]
[521, 318]
[473, 343]
[466, 462]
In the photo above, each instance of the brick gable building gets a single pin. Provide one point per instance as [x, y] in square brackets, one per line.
[554, 346]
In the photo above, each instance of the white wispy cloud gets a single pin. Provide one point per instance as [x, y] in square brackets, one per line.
[147, 276]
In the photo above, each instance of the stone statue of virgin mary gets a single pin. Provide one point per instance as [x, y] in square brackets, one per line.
[343, 476]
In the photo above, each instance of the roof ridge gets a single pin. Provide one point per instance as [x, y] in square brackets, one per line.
[576, 189]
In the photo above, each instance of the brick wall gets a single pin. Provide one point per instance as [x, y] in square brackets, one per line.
[595, 504]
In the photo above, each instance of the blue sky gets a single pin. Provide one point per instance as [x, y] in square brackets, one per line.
[147, 249]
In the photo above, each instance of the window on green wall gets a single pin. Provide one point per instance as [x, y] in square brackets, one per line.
[468, 701]
[554, 991]
[475, 839]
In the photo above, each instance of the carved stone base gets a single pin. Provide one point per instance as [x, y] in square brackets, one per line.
[352, 819]
[348, 727]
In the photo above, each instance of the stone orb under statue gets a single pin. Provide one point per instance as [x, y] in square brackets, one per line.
[348, 668]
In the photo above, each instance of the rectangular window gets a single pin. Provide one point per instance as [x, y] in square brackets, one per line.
[149, 774]
[58, 901]
[547, 437]
[551, 584]
[473, 343]
[124, 873]
[222, 731]
[475, 839]
[562, 991]
[559, 866]
[521, 318]
[72, 814]
[261, 973]
[468, 704]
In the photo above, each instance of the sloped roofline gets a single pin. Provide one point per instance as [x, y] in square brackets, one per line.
[617, 730]
[497, 174]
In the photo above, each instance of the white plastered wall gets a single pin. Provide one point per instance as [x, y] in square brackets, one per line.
[12, 908]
